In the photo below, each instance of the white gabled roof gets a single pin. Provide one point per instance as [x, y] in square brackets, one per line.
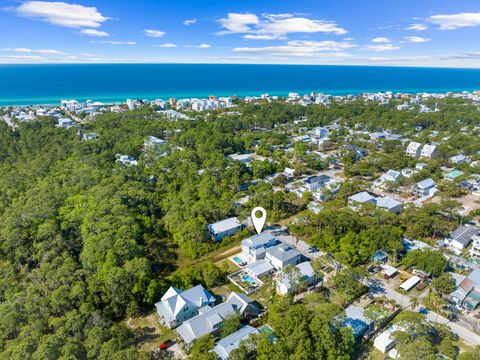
[225, 346]
[387, 202]
[361, 197]
[173, 301]
[427, 183]
[410, 283]
[260, 267]
[205, 322]
[170, 292]
[413, 146]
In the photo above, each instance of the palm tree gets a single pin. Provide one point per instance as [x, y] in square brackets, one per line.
[414, 302]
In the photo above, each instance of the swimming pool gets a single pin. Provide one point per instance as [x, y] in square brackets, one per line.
[237, 260]
[248, 279]
[266, 329]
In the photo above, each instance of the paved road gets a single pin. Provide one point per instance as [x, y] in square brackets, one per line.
[377, 287]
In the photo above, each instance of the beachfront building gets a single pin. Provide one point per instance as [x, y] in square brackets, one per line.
[176, 305]
[228, 227]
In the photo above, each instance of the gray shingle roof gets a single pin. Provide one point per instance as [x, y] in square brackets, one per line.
[464, 234]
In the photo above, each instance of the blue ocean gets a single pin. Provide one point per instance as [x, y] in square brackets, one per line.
[47, 84]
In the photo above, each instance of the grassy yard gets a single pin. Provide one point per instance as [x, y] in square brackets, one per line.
[376, 355]
[149, 332]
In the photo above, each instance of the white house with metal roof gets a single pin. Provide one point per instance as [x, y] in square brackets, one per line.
[244, 158]
[475, 251]
[425, 187]
[428, 151]
[389, 204]
[259, 268]
[458, 159]
[225, 346]
[282, 255]
[385, 342]
[209, 319]
[391, 176]
[286, 285]
[159, 146]
[223, 228]
[254, 247]
[467, 294]
[176, 305]
[361, 198]
[461, 237]
[413, 149]
[410, 283]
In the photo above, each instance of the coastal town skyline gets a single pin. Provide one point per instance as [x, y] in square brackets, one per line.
[430, 33]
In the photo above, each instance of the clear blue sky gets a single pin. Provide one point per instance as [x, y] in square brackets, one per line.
[373, 32]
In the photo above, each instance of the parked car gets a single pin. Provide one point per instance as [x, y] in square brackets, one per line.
[166, 344]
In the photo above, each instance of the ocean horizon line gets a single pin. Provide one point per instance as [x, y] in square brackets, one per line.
[241, 64]
[35, 84]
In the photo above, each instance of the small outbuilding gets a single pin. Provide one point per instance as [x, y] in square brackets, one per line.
[410, 283]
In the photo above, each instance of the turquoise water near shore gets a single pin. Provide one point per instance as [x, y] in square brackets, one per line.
[48, 84]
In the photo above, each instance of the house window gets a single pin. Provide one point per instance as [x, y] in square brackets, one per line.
[185, 309]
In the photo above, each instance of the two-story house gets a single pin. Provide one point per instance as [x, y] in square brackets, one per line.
[254, 248]
[413, 149]
[223, 228]
[176, 305]
[282, 255]
[210, 319]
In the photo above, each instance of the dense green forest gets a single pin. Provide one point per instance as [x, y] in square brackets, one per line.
[86, 242]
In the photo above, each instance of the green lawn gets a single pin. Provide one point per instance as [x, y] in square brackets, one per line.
[149, 332]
